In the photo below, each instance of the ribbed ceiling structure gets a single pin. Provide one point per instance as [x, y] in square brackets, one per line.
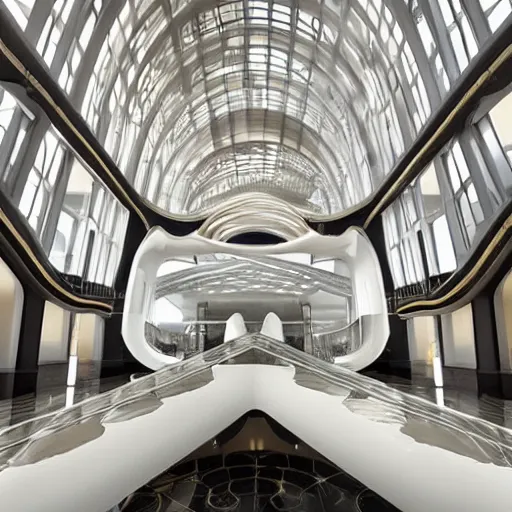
[310, 101]
[289, 98]
[231, 275]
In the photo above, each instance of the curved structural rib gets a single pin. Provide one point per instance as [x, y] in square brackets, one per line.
[353, 247]
[25, 256]
[254, 212]
[482, 266]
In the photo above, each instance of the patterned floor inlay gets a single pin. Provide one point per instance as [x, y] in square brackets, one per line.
[255, 482]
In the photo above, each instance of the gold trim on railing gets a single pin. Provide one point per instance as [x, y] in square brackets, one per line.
[468, 277]
[46, 275]
[21, 68]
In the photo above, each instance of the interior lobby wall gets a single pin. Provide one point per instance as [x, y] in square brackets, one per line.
[54, 335]
[11, 309]
[422, 334]
[503, 311]
[90, 337]
[459, 338]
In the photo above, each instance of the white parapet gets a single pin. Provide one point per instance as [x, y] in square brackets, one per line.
[235, 327]
[273, 327]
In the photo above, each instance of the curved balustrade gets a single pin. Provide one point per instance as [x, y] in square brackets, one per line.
[90, 289]
[332, 345]
[328, 345]
[417, 291]
[165, 342]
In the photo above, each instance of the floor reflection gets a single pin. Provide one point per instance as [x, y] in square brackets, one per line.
[54, 396]
[494, 410]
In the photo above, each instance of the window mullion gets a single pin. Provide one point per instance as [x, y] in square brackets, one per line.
[450, 209]
[86, 67]
[434, 17]
[34, 139]
[37, 20]
[77, 18]
[425, 69]
[476, 174]
[59, 193]
[9, 139]
[500, 168]
[477, 20]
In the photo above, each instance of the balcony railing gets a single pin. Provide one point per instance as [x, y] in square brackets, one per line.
[416, 291]
[88, 289]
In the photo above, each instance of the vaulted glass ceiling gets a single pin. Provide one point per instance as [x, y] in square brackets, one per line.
[310, 101]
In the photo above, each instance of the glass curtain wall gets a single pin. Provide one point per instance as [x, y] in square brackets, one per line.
[72, 214]
[454, 200]
[90, 231]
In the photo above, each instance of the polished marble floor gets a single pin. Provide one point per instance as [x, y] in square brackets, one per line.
[53, 394]
[494, 410]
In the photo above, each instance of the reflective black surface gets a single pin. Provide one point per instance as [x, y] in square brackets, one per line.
[50, 391]
[255, 482]
[462, 397]
[51, 394]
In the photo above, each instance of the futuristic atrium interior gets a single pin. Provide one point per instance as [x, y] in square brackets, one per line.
[255, 255]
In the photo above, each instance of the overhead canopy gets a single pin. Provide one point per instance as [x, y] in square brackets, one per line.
[286, 98]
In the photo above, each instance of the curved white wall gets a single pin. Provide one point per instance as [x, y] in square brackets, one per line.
[352, 246]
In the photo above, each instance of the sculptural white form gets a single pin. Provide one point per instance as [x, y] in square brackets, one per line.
[352, 246]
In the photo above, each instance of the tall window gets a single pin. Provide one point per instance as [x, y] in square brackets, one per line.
[14, 123]
[501, 119]
[91, 229]
[429, 44]
[53, 29]
[401, 232]
[78, 46]
[20, 9]
[463, 190]
[440, 251]
[496, 12]
[420, 208]
[460, 32]
[36, 200]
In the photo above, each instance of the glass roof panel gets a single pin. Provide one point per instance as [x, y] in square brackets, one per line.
[189, 96]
